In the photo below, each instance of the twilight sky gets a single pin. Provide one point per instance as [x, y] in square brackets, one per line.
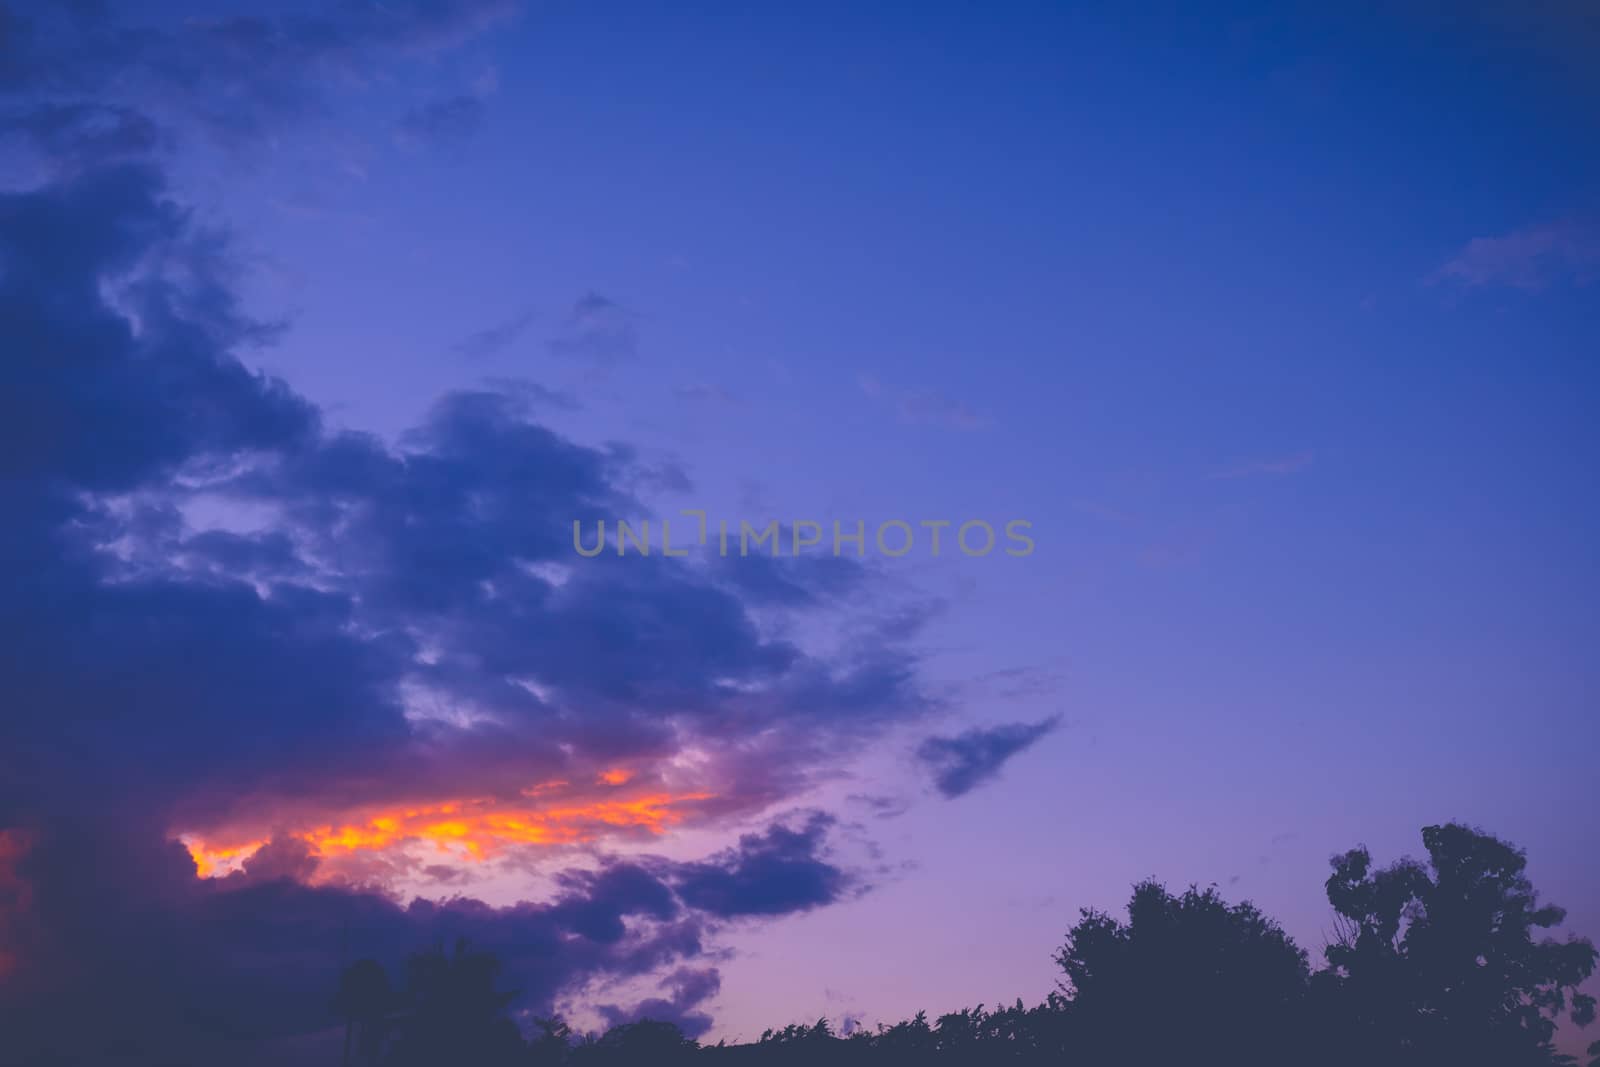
[322, 325]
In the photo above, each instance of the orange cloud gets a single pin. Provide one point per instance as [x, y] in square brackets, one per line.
[472, 829]
[210, 862]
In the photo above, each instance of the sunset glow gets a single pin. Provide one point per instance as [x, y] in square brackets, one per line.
[470, 829]
[785, 523]
[211, 861]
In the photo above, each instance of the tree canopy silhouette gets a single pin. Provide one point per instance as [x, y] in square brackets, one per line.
[364, 1001]
[1184, 973]
[1439, 962]
[1435, 963]
[453, 1014]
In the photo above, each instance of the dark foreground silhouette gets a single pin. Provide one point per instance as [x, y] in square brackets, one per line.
[1437, 963]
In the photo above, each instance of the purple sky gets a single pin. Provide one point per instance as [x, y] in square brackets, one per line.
[1280, 331]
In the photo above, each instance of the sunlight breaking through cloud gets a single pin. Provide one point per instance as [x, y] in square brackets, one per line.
[471, 829]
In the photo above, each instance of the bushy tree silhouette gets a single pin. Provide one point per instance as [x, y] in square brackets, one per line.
[551, 1042]
[642, 1042]
[1183, 974]
[453, 1014]
[364, 1001]
[908, 1041]
[1438, 962]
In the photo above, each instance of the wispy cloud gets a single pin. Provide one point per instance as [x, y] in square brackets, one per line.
[240, 78]
[1104, 512]
[598, 330]
[1013, 683]
[534, 395]
[1530, 258]
[1291, 464]
[81, 134]
[446, 120]
[706, 394]
[495, 338]
[930, 407]
[924, 406]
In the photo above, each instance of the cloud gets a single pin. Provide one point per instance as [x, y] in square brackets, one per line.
[1532, 258]
[1291, 464]
[687, 988]
[448, 120]
[597, 330]
[533, 395]
[329, 671]
[706, 394]
[773, 873]
[791, 580]
[158, 393]
[496, 338]
[238, 78]
[930, 407]
[343, 667]
[79, 135]
[924, 407]
[1016, 683]
[962, 763]
[882, 807]
[191, 970]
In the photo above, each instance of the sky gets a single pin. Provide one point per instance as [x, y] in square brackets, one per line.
[1274, 328]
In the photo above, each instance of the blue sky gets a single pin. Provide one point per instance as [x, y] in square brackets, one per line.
[1278, 327]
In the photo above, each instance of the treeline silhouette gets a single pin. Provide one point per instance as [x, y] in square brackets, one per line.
[1436, 964]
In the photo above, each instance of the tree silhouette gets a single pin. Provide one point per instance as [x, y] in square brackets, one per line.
[908, 1041]
[551, 1044]
[1184, 975]
[364, 1001]
[1436, 964]
[642, 1042]
[1439, 963]
[454, 1014]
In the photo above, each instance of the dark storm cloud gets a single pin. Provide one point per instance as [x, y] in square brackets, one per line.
[595, 902]
[92, 400]
[77, 135]
[185, 969]
[394, 622]
[239, 77]
[791, 581]
[618, 632]
[967, 760]
[687, 989]
[113, 382]
[778, 871]
[372, 550]
[163, 675]
[182, 968]
[371, 546]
